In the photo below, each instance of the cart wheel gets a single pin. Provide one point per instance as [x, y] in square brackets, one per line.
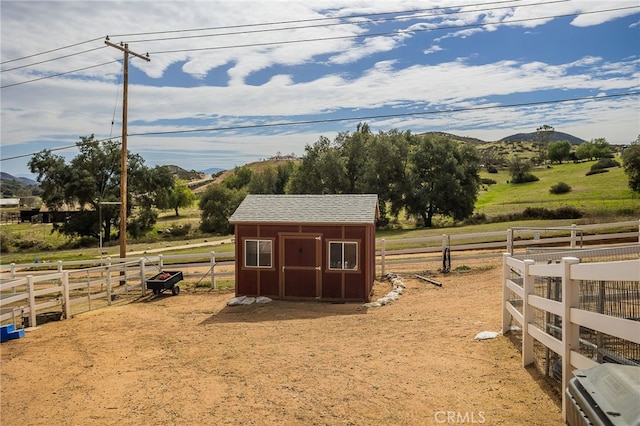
[175, 290]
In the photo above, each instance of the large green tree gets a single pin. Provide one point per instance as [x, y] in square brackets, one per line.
[180, 196]
[217, 204]
[358, 162]
[559, 151]
[321, 171]
[443, 179]
[271, 180]
[90, 184]
[631, 164]
[386, 170]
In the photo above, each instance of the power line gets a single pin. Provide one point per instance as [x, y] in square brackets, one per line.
[51, 51]
[53, 59]
[380, 116]
[337, 38]
[239, 26]
[58, 75]
[454, 27]
[439, 13]
[52, 149]
[296, 21]
[360, 118]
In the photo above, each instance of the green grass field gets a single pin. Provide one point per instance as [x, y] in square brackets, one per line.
[604, 194]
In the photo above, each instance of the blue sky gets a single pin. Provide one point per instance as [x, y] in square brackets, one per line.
[223, 74]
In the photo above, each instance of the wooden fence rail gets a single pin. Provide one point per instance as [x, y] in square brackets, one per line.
[519, 302]
[23, 287]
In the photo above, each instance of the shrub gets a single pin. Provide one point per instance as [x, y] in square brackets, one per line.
[567, 213]
[487, 181]
[605, 163]
[525, 177]
[180, 230]
[596, 171]
[559, 213]
[476, 219]
[560, 188]
[492, 169]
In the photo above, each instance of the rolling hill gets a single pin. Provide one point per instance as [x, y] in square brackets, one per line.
[531, 137]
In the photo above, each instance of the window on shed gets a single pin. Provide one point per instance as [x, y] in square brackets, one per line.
[343, 255]
[257, 253]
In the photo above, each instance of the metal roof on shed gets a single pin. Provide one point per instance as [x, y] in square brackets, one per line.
[330, 208]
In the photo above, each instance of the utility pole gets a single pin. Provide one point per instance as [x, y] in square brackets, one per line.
[123, 160]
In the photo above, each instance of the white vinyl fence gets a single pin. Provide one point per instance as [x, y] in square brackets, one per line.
[523, 302]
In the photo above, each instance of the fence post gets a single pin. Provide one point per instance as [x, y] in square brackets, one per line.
[382, 254]
[65, 294]
[59, 265]
[107, 270]
[638, 231]
[213, 270]
[570, 331]
[32, 301]
[510, 240]
[506, 316]
[527, 314]
[573, 235]
[160, 263]
[143, 281]
[88, 289]
[13, 275]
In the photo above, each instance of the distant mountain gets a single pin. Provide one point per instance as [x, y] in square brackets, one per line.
[22, 180]
[531, 137]
[213, 170]
[181, 173]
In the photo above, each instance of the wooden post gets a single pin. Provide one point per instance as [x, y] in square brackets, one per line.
[382, 256]
[570, 331]
[13, 275]
[527, 314]
[510, 240]
[123, 161]
[109, 286]
[213, 270]
[506, 316]
[143, 274]
[88, 289]
[65, 295]
[573, 235]
[32, 301]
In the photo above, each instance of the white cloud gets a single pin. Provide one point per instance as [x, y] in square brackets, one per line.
[433, 49]
[348, 75]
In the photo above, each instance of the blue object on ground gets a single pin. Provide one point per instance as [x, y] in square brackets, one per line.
[8, 332]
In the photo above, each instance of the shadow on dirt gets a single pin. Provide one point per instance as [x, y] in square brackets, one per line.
[280, 310]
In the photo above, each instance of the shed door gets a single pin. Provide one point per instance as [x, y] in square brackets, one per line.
[301, 266]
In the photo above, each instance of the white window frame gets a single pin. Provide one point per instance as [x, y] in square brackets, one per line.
[259, 242]
[342, 266]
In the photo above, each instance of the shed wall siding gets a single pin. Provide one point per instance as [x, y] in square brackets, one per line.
[335, 285]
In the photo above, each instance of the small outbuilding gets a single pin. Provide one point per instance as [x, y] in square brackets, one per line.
[306, 247]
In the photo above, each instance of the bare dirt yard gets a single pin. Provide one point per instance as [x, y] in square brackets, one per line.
[192, 360]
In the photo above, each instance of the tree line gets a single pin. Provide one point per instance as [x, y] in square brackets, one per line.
[420, 175]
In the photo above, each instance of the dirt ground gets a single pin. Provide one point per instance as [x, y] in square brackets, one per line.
[192, 360]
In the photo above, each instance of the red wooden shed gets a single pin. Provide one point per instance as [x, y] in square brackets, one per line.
[306, 247]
